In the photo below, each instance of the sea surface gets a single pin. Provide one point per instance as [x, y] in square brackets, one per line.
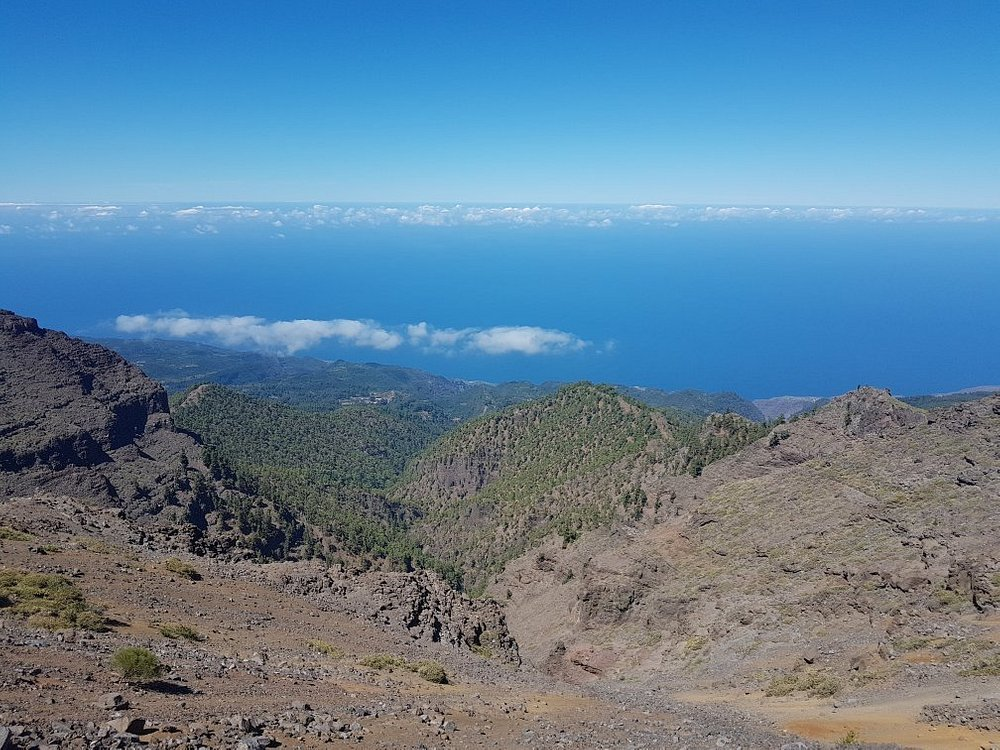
[762, 308]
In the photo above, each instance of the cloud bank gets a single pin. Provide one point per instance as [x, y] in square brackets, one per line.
[287, 336]
[278, 220]
[496, 340]
[291, 336]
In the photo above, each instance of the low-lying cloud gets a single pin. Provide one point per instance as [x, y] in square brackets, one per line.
[204, 221]
[496, 340]
[291, 336]
[286, 336]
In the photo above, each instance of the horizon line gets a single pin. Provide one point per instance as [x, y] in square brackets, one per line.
[236, 203]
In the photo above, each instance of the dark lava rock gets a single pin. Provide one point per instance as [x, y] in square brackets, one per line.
[77, 419]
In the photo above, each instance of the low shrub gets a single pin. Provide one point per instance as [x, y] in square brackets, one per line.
[989, 667]
[175, 630]
[47, 601]
[383, 661]
[849, 739]
[136, 665]
[431, 671]
[14, 535]
[327, 649]
[97, 546]
[182, 569]
[813, 684]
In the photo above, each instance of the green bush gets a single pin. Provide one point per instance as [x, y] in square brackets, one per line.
[383, 661]
[813, 684]
[431, 671]
[175, 630]
[849, 739]
[14, 535]
[47, 601]
[327, 649]
[136, 664]
[183, 569]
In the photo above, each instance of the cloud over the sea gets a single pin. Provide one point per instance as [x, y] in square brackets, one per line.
[277, 221]
[287, 336]
[291, 336]
[496, 340]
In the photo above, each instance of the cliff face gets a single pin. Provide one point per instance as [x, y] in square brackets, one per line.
[844, 538]
[76, 418]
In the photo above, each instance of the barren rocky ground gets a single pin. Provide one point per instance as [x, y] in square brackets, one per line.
[259, 677]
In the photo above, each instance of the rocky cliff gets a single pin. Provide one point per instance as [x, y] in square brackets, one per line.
[842, 544]
[77, 419]
[418, 604]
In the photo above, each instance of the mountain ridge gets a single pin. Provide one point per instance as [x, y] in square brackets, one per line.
[313, 383]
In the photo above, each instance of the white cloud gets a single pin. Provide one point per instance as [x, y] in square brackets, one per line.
[496, 340]
[449, 338]
[417, 333]
[287, 336]
[524, 340]
[97, 211]
[290, 336]
[292, 218]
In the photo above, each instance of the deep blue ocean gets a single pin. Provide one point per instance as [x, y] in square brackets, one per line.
[762, 308]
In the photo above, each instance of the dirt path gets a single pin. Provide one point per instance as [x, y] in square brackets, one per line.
[894, 720]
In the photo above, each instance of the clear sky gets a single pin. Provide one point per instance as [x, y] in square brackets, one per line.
[802, 103]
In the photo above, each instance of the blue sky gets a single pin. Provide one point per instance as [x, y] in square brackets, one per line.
[815, 103]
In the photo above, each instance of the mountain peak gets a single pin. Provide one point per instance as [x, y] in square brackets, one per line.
[13, 323]
[873, 410]
[78, 418]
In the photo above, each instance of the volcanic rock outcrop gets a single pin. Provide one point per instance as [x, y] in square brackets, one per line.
[77, 419]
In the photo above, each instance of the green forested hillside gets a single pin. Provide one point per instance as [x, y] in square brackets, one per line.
[582, 457]
[567, 462]
[359, 444]
[944, 400]
[477, 496]
[718, 436]
[325, 470]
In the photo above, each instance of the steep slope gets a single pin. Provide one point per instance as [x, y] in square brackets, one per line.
[78, 421]
[819, 558]
[565, 463]
[579, 459]
[358, 444]
[76, 418]
[329, 470]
